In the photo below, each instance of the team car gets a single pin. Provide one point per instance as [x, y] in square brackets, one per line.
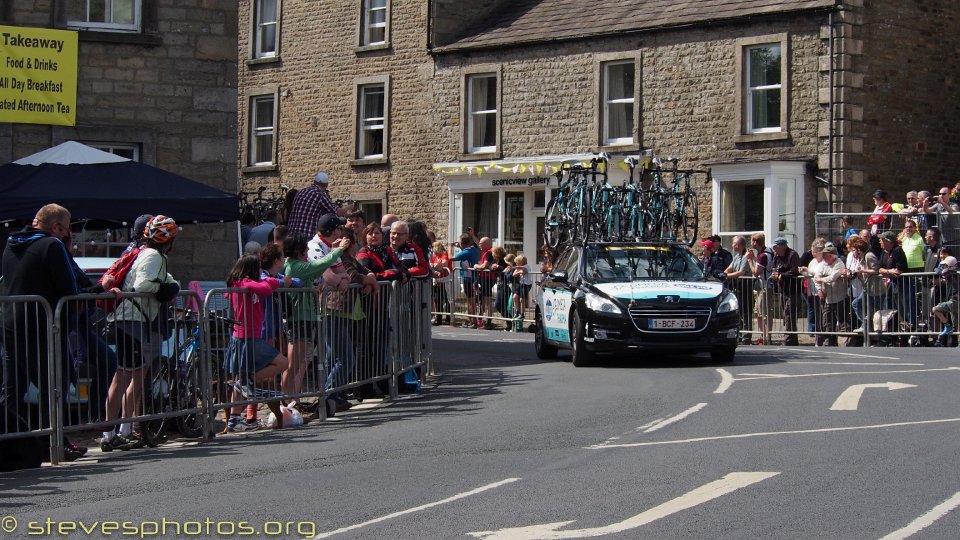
[617, 297]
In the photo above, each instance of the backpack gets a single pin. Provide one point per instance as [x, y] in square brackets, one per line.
[763, 280]
[119, 270]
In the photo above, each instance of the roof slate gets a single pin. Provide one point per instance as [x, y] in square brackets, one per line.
[525, 21]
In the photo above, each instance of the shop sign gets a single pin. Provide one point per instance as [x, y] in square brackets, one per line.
[38, 82]
[531, 181]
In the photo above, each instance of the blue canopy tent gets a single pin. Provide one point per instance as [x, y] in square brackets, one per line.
[97, 185]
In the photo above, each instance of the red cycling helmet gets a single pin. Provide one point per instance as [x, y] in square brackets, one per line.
[160, 229]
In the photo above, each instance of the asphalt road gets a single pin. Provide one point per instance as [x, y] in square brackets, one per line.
[783, 443]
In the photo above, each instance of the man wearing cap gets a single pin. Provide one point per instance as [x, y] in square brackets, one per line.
[831, 282]
[878, 219]
[716, 258]
[893, 263]
[946, 276]
[311, 203]
[786, 263]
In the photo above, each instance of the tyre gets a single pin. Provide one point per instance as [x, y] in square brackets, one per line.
[552, 224]
[688, 219]
[544, 350]
[189, 396]
[581, 356]
[723, 356]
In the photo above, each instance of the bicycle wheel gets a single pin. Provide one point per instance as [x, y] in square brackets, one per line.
[552, 223]
[156, 399]
[189, 396]
[687, 219]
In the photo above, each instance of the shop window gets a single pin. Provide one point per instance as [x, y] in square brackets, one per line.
[266, 28]
[618, 102]
[481, 113]
[104, 15]
[741, 206]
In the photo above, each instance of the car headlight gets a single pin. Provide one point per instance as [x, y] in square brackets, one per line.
[728, 304]
[595, 302]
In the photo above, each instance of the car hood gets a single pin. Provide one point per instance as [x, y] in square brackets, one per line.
[646, 290]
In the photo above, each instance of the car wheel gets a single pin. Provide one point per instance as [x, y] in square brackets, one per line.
[581, 356]
[545, 350]
[723, 356]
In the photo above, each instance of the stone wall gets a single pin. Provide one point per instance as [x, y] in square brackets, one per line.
[687, 95]
[904, 66]
[316, 75]
[171, 89]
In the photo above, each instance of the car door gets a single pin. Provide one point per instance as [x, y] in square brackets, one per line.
[558, 297]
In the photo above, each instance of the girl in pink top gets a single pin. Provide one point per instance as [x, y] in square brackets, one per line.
[249, 358]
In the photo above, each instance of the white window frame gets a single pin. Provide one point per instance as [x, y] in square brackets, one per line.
[473, 114]
[366, 125]
[782, 180]
[86, 24]
[607, 101]
[750, 90]
[367, 9]
[257, 27]
[113, 148]
[255, 130]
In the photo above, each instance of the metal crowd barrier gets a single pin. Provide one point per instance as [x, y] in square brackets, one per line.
[467, 310]
[901, 314]
[173, 375]
[28, 397]
[830, 225]
[331, 343]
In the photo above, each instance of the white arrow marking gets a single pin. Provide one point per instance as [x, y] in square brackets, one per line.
[415, 509]
[849, 400]
[672, 419]
[549, 531]
[925, 520]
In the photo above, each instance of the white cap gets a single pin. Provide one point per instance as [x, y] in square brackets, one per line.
[321, 177]
[949, 262]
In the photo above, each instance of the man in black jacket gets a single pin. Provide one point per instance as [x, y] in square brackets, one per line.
[35, 262]
[785, 271]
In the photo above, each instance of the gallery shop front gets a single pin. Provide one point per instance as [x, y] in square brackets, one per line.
[506, 199]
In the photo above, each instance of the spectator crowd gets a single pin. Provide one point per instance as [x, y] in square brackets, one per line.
[898, 274]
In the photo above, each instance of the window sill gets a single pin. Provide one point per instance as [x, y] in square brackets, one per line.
[614, 148]
[253, 62]
[480, 156]
[124, 38]
[259, 168]
[761, 137]
[363, 162]
[370, 48]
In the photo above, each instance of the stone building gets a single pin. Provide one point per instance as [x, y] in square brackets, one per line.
[455, 113]
[156, 82]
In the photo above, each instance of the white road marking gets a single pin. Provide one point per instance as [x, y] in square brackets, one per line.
[925, 520]
[648, 424]
[417, 508]
[837, 353]
[677, 418]
[771, 433]
[726, 379]
[859, 363]
[849, 400]
[705, 493]
[754, 376]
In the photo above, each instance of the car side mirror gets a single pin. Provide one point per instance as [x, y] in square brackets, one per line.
[559, 275]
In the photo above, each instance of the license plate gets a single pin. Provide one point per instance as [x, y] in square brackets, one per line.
[670, 324]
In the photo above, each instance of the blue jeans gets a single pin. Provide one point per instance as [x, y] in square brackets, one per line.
[338, 346]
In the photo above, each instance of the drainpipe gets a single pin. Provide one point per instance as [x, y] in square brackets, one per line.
[830, 108]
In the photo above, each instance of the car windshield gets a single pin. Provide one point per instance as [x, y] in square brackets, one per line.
[620, 263]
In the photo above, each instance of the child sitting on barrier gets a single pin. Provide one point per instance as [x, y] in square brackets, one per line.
[249, 357]
[946, 275]
[522, 282]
